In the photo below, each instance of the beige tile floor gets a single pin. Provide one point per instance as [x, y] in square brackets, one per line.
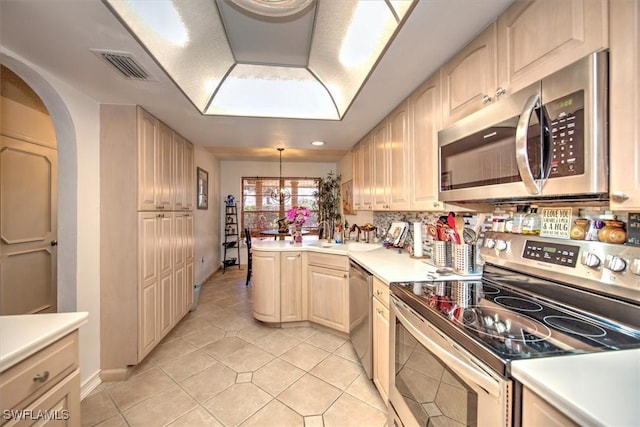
[220, 367]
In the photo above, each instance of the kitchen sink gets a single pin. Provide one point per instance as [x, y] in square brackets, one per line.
[349, 246]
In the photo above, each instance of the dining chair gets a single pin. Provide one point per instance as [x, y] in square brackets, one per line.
[247, 235]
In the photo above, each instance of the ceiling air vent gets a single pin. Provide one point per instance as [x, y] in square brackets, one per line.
[124, 63]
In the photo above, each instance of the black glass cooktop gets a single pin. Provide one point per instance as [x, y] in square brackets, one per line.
[511, 324]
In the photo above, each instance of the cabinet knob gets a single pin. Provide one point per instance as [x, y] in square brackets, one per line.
[486, 99]
[41, 377]
[619, 197]
[500, 91]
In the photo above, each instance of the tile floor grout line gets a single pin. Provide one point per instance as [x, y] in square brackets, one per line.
[239, 309]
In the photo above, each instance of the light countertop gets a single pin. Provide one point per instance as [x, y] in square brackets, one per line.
[388, 264]
[598, 389]
[23, 335]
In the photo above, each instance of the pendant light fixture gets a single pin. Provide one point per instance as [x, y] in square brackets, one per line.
[280, 195]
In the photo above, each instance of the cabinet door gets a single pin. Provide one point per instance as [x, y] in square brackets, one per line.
[165, 281]
[366, 191]
[425, 122]
[381, 348]
[399, 158]
[291, 287]
[469, 79]
[380, 173]
[164, 168]
[189, 285]
[189, 241]
[537, 38]
[147, 146]
[179, 194]
[624, 95]
[266, 286]
[356, 167]
[64, 398]
[189, 171]
[329, 297]
[148, 315]
[179, 242]
[538, 412]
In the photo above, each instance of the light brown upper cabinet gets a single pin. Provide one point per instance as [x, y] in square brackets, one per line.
[399, 153]
[380, 161]
[537, 38]
[469, 79]
[183, 174]
[362, 174]
[425, 121]
[624, 111]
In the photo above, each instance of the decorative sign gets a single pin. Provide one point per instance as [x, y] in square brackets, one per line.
[556, 222]
[633, 229]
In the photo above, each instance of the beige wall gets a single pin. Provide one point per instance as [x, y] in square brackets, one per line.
[76, 118]
[207, 222]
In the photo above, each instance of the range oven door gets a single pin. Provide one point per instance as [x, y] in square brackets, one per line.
[435, 382]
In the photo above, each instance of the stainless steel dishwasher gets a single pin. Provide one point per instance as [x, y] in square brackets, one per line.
[360, 314]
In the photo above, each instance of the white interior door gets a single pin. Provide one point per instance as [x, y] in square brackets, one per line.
[28, 219]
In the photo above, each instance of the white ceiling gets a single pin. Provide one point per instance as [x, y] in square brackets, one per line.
[57, 35]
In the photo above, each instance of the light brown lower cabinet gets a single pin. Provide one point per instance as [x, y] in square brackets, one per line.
[538, 412]
[380, 312]
[292, 307]
[266, 286]
[43, 389]
[329, 297]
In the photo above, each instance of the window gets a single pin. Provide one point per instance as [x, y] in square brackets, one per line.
[260, 211]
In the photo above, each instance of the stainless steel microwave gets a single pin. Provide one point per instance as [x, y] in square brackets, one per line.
[546, 141]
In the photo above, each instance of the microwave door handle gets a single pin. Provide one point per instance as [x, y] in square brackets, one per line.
[522, 134]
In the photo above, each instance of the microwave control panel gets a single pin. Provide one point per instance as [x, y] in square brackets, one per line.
[566, 125]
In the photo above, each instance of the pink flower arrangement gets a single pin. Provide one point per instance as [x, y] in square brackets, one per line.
[298, 215]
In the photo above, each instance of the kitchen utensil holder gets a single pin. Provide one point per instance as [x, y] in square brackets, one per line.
[462, 293]
[441, 253]
[464, 258]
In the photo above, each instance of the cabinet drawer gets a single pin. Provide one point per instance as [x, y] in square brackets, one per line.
[60, 406]
[338, 262]
[38, 373]
[381, 291]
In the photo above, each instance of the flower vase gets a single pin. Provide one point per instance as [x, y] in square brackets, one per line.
[297, 234]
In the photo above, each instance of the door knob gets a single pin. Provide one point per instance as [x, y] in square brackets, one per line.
[54, 243]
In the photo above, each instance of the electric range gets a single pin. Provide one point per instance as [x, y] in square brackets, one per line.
[537, 297]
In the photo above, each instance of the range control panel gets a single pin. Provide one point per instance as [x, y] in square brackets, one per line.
[605, 267]
[552, 253]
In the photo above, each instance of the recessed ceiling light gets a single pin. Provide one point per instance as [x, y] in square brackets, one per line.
[317, 143]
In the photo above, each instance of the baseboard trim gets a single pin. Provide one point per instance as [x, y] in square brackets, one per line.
[90, 385]
[116, 374]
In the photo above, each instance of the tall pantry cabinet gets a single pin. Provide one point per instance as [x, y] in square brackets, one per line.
[147, 194]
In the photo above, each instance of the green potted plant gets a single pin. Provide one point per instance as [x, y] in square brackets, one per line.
[328, 205]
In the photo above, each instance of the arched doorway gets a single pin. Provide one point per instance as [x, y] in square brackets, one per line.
[67, 180]
[28, 201]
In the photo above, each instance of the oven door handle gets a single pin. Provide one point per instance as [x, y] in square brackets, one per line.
[522, 142]
[464, 369]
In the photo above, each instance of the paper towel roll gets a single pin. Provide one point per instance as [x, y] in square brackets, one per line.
[417, 239]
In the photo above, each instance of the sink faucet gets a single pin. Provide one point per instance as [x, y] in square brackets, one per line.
[323, 228]
[353, 228]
